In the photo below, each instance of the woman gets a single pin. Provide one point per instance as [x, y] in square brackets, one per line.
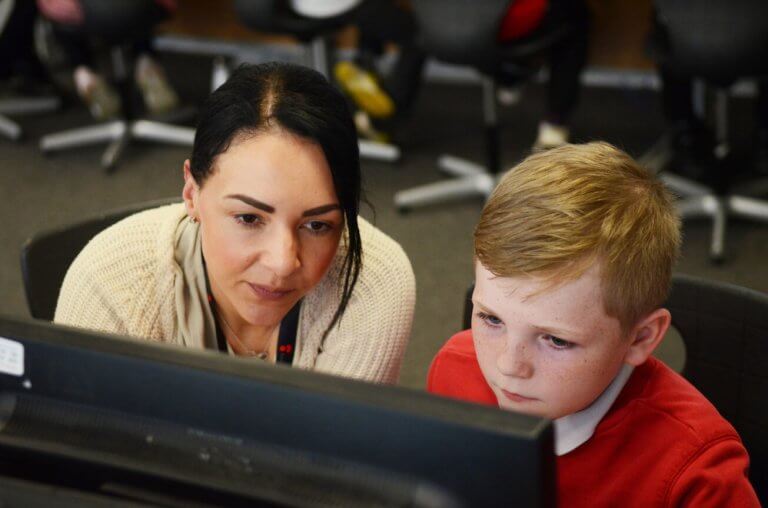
[265, 257]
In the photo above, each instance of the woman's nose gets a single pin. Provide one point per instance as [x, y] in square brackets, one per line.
[281, 253]
[515, 360]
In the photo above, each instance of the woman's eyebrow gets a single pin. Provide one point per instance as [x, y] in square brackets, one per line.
[319, 210]
[253, 202]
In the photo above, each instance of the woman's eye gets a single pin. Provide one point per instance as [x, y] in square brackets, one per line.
[248, 219]
[316, 226]
[489, 319]
[559, 343]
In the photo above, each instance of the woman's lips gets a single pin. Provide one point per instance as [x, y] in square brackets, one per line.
[270, 293]
[516, 397]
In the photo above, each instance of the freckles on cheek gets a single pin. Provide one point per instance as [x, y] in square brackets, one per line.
[557, 370]
[562, 377]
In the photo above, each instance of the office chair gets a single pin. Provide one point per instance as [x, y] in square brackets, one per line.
[465, 32]
[725, 332]
[117, 23]
[276, 17]
[718, 43]
[46, 256]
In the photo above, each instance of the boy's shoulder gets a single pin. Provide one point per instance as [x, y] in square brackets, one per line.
[455, 373]
[670, 400]
[681, 450]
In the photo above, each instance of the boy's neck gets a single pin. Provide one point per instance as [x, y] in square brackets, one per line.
[573, 430]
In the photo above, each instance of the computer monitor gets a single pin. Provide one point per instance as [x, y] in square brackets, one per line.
[112, 419]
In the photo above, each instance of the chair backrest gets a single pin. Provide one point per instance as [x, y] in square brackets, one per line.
[466, 32]
[462, 32]
[718, 41]
[46, 256]
[120, 21]
[725, 331]
[275, 16]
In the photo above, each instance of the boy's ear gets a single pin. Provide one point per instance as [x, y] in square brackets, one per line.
[646, 335]
[190, 192]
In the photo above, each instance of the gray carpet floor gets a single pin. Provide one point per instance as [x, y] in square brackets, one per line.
[39, 192]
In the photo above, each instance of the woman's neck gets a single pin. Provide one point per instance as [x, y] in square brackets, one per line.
[244, 338]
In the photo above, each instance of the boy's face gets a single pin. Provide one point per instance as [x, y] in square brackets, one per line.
[548, 353]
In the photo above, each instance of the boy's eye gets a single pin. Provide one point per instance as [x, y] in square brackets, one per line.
[559, 343]
[489, 319]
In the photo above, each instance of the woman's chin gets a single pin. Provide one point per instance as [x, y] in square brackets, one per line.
[265, 316]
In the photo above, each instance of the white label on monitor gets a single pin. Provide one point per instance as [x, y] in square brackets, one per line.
[11, 357]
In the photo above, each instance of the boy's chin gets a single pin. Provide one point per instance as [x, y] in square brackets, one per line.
[522, 409]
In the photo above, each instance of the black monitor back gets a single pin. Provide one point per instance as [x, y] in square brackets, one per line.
[168, 426]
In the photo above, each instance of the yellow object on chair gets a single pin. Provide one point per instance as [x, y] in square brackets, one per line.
[364, 89]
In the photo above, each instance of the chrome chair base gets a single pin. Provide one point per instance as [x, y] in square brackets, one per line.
[22, 106]
[9, 128]
[118, 134]
[471, 180]
[697, 200]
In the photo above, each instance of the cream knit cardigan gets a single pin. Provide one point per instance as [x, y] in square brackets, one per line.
[123, 282]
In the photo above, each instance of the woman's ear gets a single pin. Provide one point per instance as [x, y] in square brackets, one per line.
[646, 335]
[190, 192]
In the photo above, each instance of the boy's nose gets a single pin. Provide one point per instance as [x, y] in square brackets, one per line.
[514, 361]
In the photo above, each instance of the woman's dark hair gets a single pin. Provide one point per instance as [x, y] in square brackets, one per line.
[257, 98]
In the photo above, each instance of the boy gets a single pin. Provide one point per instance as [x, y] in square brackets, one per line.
[573, 260]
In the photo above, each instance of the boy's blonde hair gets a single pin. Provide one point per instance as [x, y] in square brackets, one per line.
[561, 211]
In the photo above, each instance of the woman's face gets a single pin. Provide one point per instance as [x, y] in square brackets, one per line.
[270, 222]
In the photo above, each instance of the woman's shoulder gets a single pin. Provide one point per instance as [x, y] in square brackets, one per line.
[138, 232]
[382, 255]
[386, 279]
[371, 337]
[136, 242]
[385, 275]
[119, 281]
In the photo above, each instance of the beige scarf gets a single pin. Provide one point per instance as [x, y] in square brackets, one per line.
[195, 323]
